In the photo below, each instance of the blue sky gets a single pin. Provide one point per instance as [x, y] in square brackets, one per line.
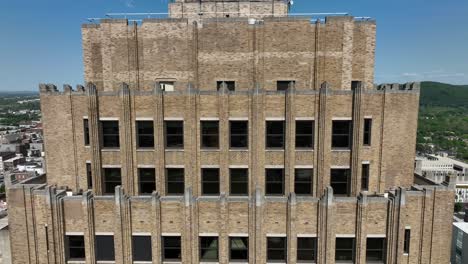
[416, 39]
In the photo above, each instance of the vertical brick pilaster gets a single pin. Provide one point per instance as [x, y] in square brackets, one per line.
[87, 204]
[224, 235]
[156, 227]
[396, 227]
[126, 140]
[427, 220]
[290, 150]
[159, 148]
[326, 229]
[119, 229]
[291, 229]
[224, 133]
[259, 234]
[322, 135]
[361, 229]
[94, 138]
[356, 141]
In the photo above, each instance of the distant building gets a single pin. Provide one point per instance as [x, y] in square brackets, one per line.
[5, 156]
[460, 243]
[10, 164]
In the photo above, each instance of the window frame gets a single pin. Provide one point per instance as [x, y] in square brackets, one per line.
[139, 135]
[245, 135]
[114, 182]
[168, 181]
[97, 250]
[162, 85]
[267, 182]
[86, 135]
[231, 85]
[367, 132]
[310, 135]
[202, 248]
[365, 175]
[115, 136]
[280, 83]
[336, 136]
[231, 259]
[232, 182]
[135, 254]
[313, 250]
[164, 247]
[69, 247]
[141, 182]
[407, 241]
[353, 250]
[210, 182]
[298, 182]
[270, 136]
[382, 251]
[348, 181]
[284, 249]
[203, 144]
[89, 175]
[178, 135]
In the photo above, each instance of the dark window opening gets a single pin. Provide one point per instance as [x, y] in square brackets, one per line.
[147, 179]
[303, 181]
[89, 175]
[274, 180]
[376, 249]
[341, 137]
[275, 134]
[276, 249]
[340, 181]
[172, 249]
[239, 134]
[305, 134]
[283, 85]
[174, 134]
[239, 249]
[145, 134]
[105, 248]
[112, 179]
[175, 181]
[209, 249]
[231, 85]
[210, 134]
[142, 250]
[365, 177]
[110, 134]
[75, 248]
[355, 84]
[344, 249]
[306, 249]
[239, 184]
[367, 132]
[406, 246]
[86, 131]
[210, 181]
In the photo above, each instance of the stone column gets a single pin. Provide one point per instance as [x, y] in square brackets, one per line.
[322, 135]
[87, 204]
[159, 148]
[326, 229]
[356, 141]
[290, 150]
[361, 228]
[94, 138]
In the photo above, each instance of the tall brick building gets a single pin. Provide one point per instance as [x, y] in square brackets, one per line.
[230, 132]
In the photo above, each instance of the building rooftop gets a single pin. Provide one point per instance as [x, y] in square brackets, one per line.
[462, 226]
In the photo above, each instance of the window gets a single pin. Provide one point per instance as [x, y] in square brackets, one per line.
[344, 249]
[210, 181]
[174, 134]
[274, 180]
[75, 248]
[376, 249]
[340, 179]
[86, 131]
[305, 134]
[105, 248]
[172, 250]
[142, 248]
[276, 249]
[367, 132]
[210, 134]
[406, 245]
[275, 134]
[231, 85]
[342, 130]
[175, 181]
[110, 134]
[303, 181]
[365, 177]
[239, 134]
[147, 180]
[166, 86]
[89, 175]
[355, 84]
[112, 179]
[209, 249]
[239, 184]
[306, 249]
[145, 134]
[239, 249]
[283, 85]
